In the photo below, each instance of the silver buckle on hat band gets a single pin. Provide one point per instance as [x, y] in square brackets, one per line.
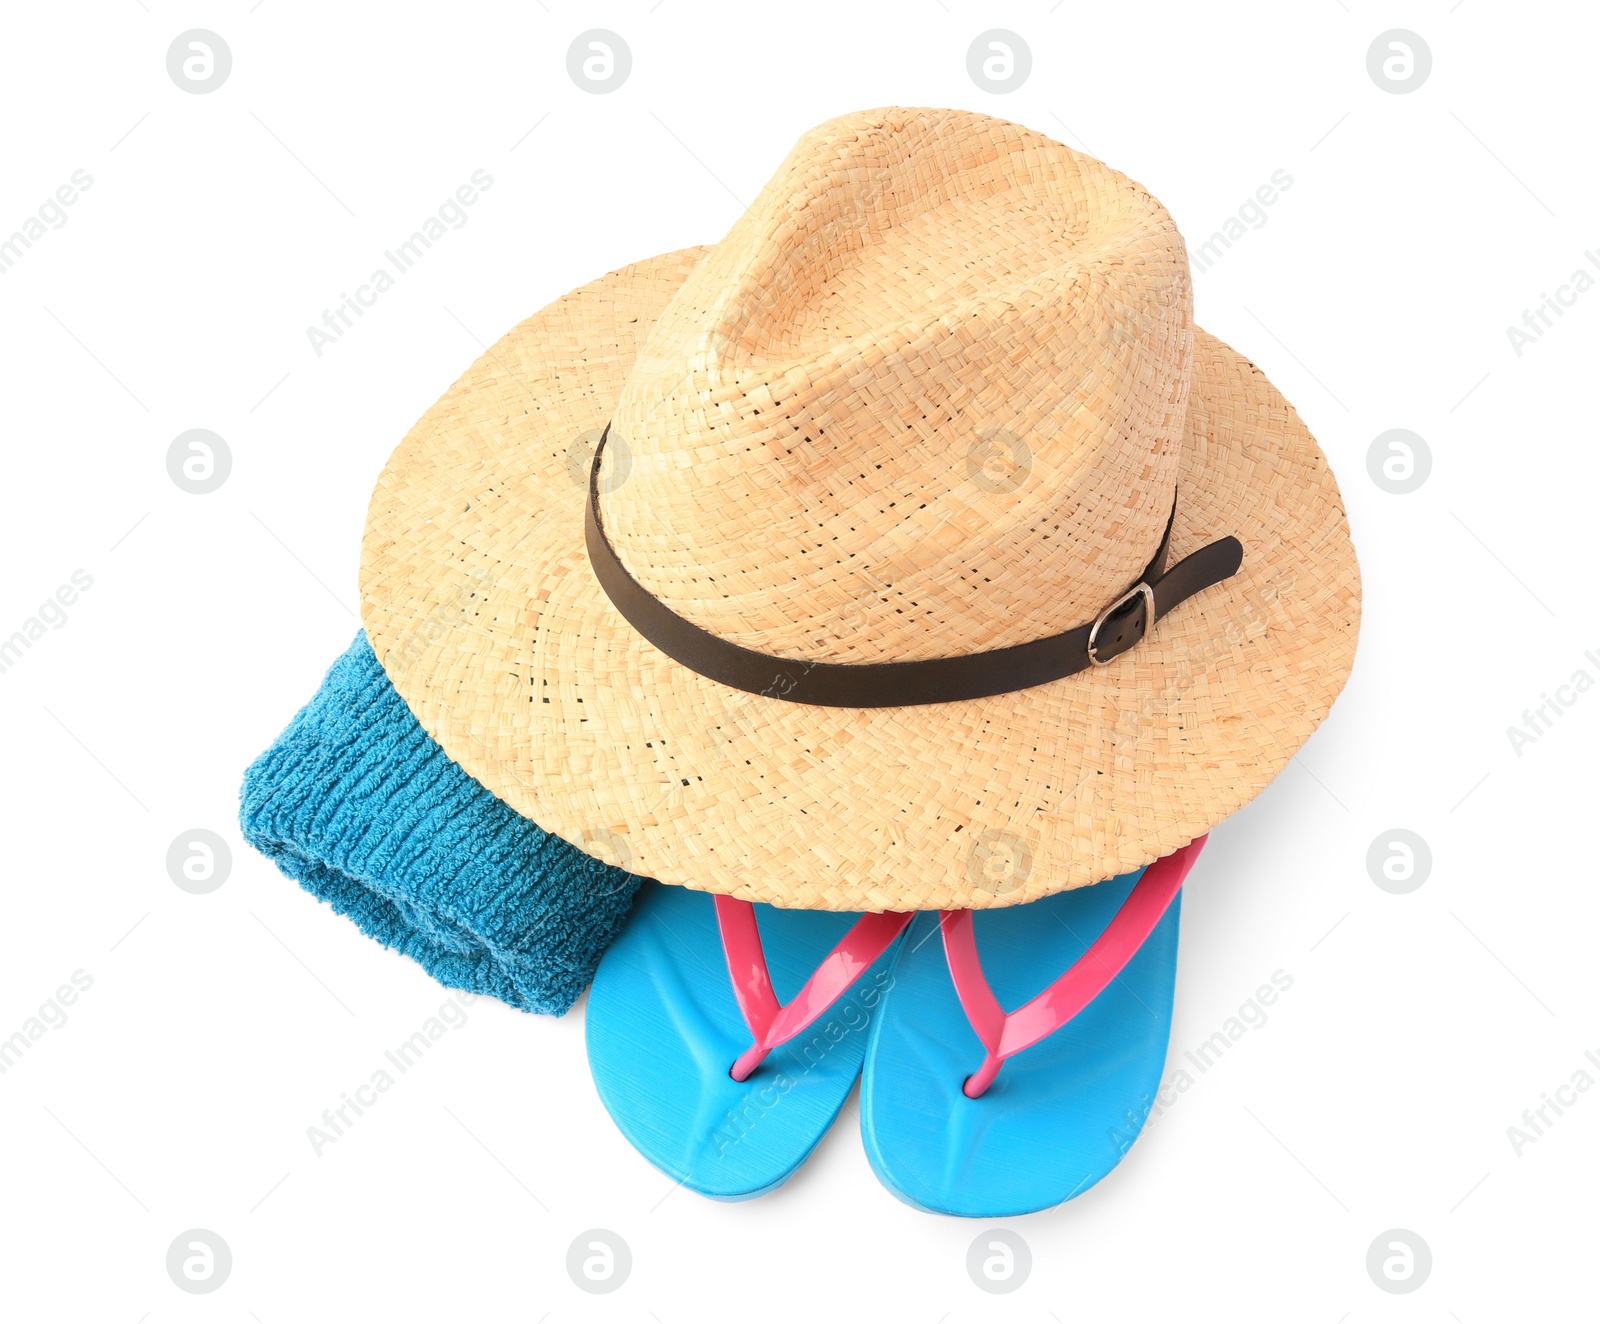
[1137, 590]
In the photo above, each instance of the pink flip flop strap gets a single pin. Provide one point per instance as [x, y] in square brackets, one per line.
[1004, 1034]
[771, 1022]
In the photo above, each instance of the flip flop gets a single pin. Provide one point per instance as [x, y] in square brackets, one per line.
[969, 1110]
[724, 1037]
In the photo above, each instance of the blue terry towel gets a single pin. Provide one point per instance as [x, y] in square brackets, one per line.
[357, 803]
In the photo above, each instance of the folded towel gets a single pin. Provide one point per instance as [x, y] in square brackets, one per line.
[358, 804]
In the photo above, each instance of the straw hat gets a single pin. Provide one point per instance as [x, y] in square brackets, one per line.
[938, 393]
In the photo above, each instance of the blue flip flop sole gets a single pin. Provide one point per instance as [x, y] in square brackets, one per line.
[1062, 1113]
[663, 1028]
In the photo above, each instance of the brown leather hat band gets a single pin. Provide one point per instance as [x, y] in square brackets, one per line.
[899, 684]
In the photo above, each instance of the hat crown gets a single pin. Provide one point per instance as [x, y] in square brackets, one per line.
[926, 398]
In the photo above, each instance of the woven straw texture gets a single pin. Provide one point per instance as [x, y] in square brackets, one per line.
[931, 395]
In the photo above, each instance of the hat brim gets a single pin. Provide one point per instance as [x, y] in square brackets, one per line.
[478, 598]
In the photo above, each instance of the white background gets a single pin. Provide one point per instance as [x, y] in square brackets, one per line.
[217, 1028]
